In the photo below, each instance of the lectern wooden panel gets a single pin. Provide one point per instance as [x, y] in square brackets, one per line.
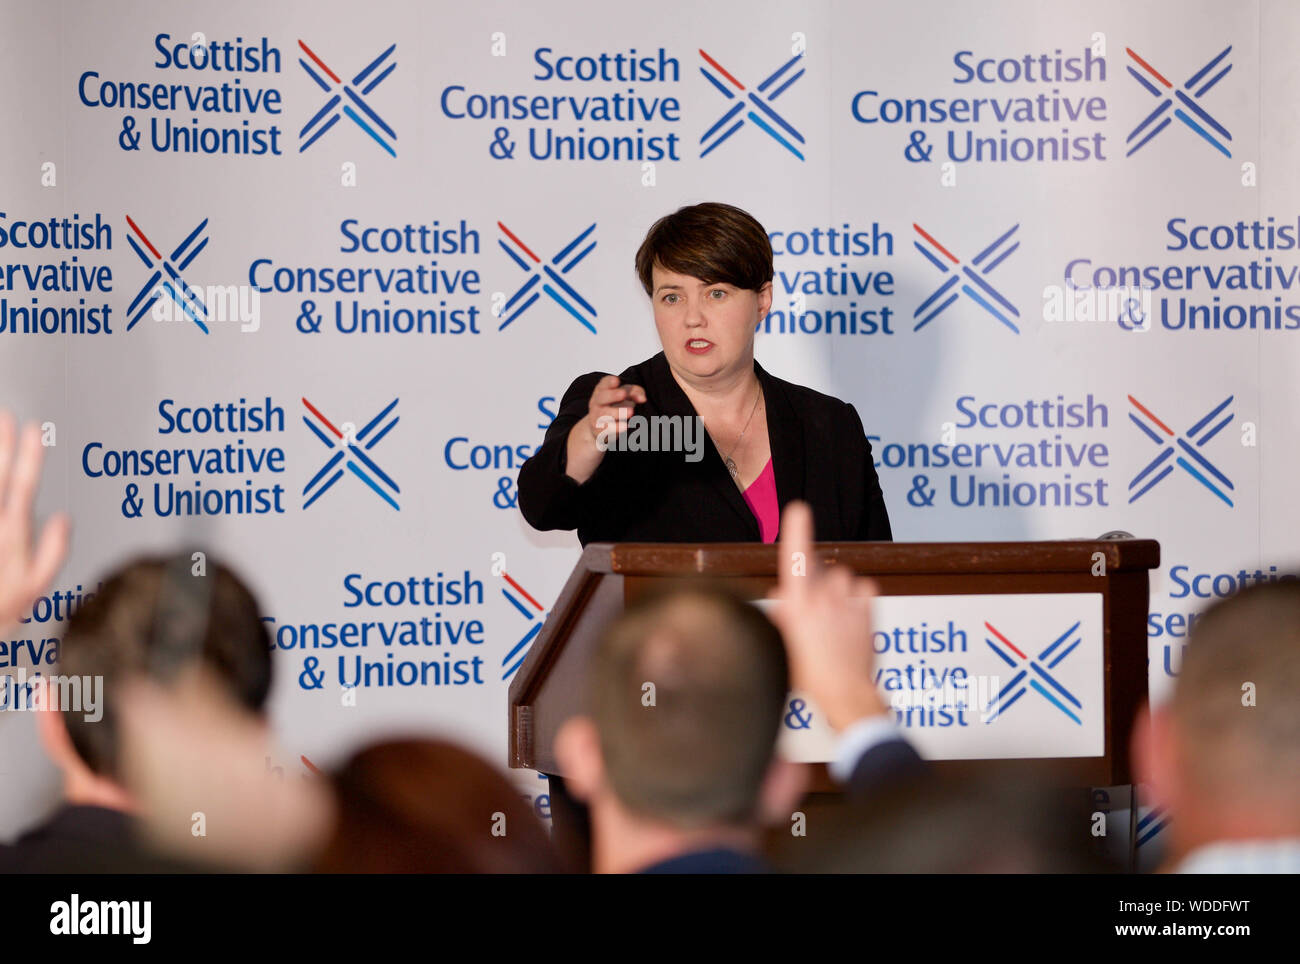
[551, 684]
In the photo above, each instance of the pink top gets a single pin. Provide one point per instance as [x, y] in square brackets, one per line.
[761, 497]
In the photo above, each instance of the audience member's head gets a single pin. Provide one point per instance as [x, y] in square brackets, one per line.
[146, 622]
[685, 692]
[1223, 755]
[424, 806]
[988, 821]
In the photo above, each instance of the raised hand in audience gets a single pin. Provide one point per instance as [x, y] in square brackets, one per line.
[26, 569]
[824, 615]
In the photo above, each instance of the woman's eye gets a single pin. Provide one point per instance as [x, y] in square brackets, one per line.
[670, 299]
[718, 291]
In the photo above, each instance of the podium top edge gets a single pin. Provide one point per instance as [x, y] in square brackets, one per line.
[755, 559]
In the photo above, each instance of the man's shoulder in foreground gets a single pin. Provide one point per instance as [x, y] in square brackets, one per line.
[716, 861]
[86, 840]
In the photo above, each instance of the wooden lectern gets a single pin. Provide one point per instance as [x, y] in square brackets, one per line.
[550, 685]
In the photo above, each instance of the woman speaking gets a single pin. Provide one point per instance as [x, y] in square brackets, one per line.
[708, 272]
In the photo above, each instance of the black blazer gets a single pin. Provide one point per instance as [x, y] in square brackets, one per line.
[86, 840]
[719, 861]
[886, 765]
[820, 454]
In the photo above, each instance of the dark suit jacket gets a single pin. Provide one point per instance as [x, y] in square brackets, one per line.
[718, 861]
[84, 840]
[819, 454]
[885, 766]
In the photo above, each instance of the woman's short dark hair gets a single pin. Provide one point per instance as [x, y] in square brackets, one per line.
[714, 242]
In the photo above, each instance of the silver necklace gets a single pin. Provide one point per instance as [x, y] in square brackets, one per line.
[726, 459]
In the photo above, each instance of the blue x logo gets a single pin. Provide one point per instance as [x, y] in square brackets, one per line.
[351, 449]
[762, 115]
[371, 76]
[1024, 666]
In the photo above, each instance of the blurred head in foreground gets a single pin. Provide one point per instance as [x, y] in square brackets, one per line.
[427, 807]
[151, 617]
[1223, 754]
[685, 692]
[154, 718]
